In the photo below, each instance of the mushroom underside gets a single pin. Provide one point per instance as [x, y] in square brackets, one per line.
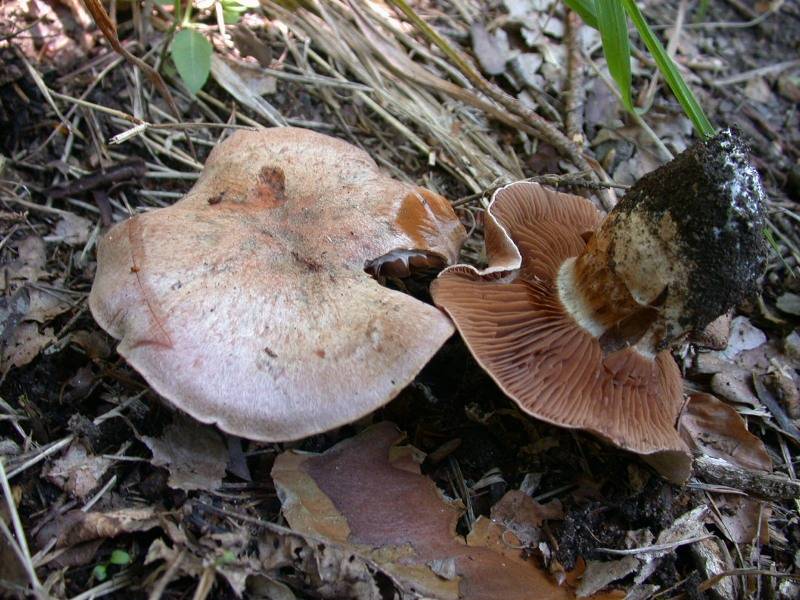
[518, 329]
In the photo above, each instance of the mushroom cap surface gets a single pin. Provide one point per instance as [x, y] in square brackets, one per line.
[513, 321]
[246, 303]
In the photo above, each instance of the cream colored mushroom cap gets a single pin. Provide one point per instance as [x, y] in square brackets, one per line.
[246, 303]
[513, 321]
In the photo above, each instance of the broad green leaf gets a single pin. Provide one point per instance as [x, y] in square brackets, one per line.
[668, 69]
[191, 53]
[585, 8]
[613, 27]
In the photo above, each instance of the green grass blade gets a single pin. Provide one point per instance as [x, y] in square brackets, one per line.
[613, 27]
[670, 71]
[585, 8]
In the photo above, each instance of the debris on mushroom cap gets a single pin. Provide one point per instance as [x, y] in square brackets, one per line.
[247, 303]
[550, 362]
[687, 240]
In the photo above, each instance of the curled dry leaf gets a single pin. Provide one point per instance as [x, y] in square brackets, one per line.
[716, 429]
[194, 455]
[247, 303]
[369, 496]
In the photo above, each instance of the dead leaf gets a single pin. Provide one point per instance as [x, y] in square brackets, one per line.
[789, 303]
[521, 514]
[71, 229]
[78, 472]
[743, 336]
[689, 525]
[76, 526]
[734, 385]
[232, 82]
[194, 454]
[599, 574]
[365, 495]
[740, 517]
[491, 49]
[31, 258]
[716, 429]
[25, 345]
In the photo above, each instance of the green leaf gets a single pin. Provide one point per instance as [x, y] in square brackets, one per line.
[585, 8]
[670, 72]
[119, 557]
[613, 27]
[100, 573]
[191, 53]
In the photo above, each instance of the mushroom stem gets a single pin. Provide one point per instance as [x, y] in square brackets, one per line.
[685, 245]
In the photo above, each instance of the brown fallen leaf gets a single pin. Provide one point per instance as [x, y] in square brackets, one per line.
[716, 429]
[194, 454]
[741, 518]
[368, 494]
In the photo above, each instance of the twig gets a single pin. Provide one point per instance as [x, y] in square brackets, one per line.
[763, 485]
[574, 95]
[772, 69]
[656, 548]
[130, 169]
[712, 581]
[18, 530]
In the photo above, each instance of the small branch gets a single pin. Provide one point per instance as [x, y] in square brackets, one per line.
[763, 485]
[656, 548]
[574, 96]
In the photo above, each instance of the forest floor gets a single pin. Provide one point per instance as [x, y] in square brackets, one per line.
[108, 491]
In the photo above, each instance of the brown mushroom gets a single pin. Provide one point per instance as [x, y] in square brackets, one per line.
[575, 315]
[247, 303]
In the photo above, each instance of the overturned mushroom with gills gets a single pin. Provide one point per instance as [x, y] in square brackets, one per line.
[249, 304]
[575, 315]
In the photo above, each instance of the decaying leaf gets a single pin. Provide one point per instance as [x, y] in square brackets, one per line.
[25, 344]
[524, 516]
[78, 472]
[599, 574]
[742, 518]
[716, 429]
[194, 454]
[492, 49]
[367, 494]
[77, 526]
[689, 525]
[72, 229]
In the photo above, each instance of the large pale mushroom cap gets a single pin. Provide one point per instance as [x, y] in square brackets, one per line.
[554, 367]
[246, 303]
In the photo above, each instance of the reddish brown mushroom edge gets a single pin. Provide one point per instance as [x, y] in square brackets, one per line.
[575, 315]
[247, 303]
[549, 360]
